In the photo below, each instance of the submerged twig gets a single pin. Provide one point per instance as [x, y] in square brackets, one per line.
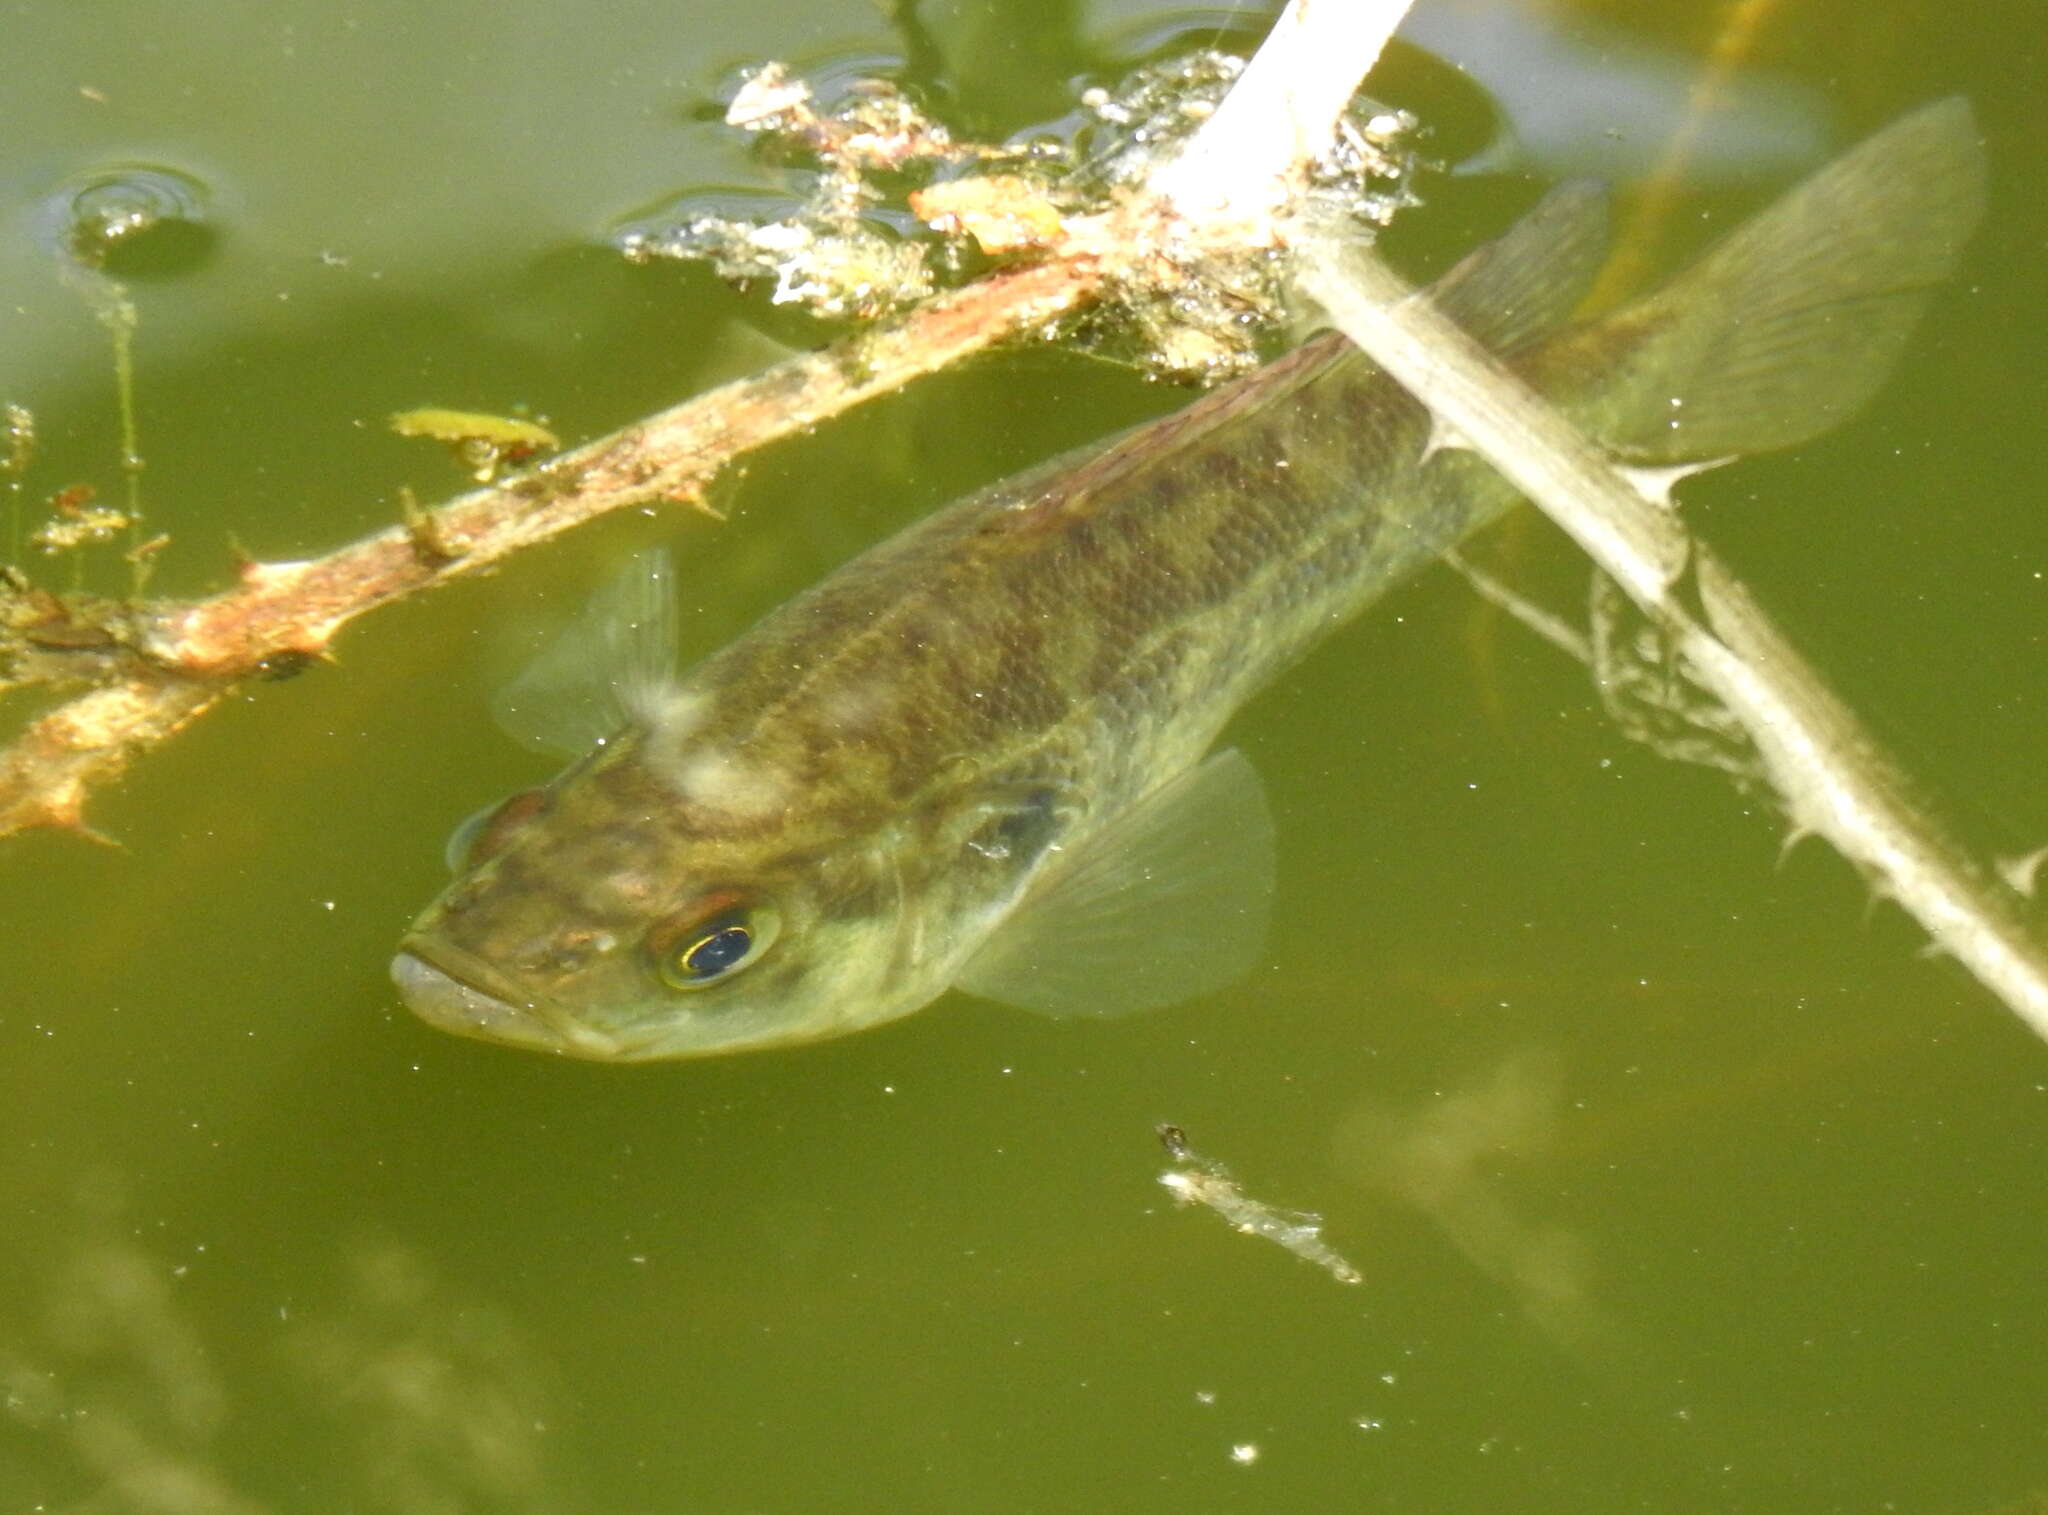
[1833, 777]
[193, 654]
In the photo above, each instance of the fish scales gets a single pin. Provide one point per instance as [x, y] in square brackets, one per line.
[1019, 623]
[975, 755]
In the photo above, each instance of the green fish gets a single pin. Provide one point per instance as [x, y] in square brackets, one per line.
[980, 755]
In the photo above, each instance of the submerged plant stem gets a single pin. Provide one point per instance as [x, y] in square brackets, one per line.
[1834, 778]
[111, 306]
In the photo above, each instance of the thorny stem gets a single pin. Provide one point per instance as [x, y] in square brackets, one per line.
[194, 654]
[1835, 780]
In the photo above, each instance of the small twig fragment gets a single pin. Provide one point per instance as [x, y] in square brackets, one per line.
[423, 530]
[1004, 213]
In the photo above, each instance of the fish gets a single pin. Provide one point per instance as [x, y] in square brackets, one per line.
[984, 755]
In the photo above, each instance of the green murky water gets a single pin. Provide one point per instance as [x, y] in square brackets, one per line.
[1679, 1179]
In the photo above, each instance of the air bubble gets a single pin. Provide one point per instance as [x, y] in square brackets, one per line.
[131, 221]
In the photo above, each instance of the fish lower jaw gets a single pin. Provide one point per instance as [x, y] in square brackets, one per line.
[447, 1002]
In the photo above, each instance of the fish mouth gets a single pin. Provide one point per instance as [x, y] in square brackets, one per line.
[442, 985]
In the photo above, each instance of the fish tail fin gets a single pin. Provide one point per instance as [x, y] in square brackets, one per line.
[1789, 326]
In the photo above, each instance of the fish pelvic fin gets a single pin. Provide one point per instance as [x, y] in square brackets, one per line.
[1787, 328]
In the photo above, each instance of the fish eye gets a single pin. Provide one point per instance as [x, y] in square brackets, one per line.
[487, 832]
[707, 945]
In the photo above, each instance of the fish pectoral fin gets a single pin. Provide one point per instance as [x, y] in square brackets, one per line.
[1168, 901]
[606, 667]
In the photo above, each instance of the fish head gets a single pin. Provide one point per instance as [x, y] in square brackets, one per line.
[636, 909]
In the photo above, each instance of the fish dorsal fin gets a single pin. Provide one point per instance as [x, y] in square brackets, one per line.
[1789, 326]
[1528, 280]
[607, 666]
[1169, 900]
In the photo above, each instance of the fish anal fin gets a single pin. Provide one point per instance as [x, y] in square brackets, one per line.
[1168, 901]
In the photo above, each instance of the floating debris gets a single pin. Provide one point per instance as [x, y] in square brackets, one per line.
[844, 247]
[830, 252]
[1151, 112]
[1196, 1180]
[1208, 319]
[480, 442]
[77, 521]
[37, 621]
[1367, 171]
[1003, 213]
[878, 126]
